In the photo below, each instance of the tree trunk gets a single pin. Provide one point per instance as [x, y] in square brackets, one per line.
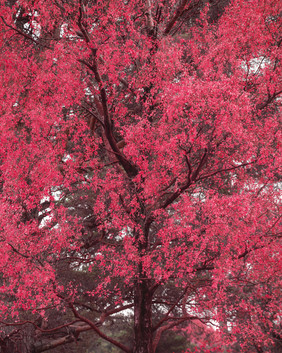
[143, 342]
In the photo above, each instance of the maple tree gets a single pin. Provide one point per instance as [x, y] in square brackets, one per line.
[139, 156]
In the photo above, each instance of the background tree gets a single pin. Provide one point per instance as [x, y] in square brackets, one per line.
[140, 154]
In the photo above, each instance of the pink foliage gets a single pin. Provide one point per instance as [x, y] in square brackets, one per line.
[161, 128]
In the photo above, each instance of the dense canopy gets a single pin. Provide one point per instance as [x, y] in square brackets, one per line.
[140, 156]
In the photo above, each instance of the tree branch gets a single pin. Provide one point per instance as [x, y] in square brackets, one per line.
[25, 35]
[117, 310]
[270, 98]
[42, 347]
[190, 180]
[176, 16]
[224, 170]
[93, 115]
[96, 329]
[72, 337]
[130, 169]
[80, 25]
[150, 21]
[167, 327]
[166, 317]
[18, 252]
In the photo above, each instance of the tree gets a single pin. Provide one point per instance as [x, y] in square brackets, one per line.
[140, 158]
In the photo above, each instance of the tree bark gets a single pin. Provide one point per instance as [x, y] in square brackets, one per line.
[143, 332]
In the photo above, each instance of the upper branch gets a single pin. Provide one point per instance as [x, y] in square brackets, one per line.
[25, 35]
[190, 179]
[150, 21]
[130, 169]
[225, 170]
[269, 100]
[80, 24]
[176, 16]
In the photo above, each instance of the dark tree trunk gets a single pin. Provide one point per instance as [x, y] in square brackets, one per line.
[143, 342]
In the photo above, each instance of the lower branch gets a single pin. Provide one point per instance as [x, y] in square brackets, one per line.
[97, 330]
[169, 326]
[73, 337]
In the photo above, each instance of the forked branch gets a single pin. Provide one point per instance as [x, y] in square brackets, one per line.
[97, 330]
